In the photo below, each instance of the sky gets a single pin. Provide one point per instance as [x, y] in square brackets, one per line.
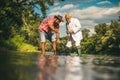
[89, 12]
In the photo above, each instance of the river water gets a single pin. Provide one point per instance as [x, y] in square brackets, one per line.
[32, 66]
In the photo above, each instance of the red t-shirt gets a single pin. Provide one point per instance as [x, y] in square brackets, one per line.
[44, 26]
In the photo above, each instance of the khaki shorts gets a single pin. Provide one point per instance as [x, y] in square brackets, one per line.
[50, 36]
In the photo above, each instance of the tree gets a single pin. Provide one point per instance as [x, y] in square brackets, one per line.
[18, 18]
[85, 33]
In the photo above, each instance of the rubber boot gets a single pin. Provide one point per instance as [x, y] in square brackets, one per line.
[79, 52]
[69, 52]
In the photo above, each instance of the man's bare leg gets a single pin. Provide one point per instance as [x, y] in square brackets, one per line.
[54, 47]
[43, 48]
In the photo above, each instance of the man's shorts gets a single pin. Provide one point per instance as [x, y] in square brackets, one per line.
[50, 36]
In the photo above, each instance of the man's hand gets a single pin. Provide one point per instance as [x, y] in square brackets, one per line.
[70, 31]
[53, 28]
[56, 30]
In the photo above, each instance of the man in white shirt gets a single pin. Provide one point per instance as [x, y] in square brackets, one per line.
[73, 29]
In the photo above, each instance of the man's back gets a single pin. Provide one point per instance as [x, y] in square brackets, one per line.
[44, 26]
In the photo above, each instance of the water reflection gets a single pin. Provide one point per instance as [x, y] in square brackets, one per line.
[106, 68]
[105, 73]
[47, 67]
[17, 66]
[26, 66]
[73, 68]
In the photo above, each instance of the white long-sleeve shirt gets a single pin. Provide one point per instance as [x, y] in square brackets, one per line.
[75, 25]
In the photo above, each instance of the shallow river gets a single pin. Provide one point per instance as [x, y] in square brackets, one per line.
[31, 66]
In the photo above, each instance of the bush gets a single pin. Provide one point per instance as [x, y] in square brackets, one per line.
[27, 47]
[17, 43]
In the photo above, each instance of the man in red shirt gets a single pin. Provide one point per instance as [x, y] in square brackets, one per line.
[49, 29]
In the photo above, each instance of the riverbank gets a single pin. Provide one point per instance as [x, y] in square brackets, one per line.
[102, 55]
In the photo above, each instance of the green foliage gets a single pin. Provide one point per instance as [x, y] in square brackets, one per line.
[20, 45]
[106, 39]
[17, 43]
[13, 43]
[100, 29]
[61, 47]
[7, 44]
[17, 17]
[27, 47]
[48, 46]
[87, 47]
[17, 39]
[85, 33]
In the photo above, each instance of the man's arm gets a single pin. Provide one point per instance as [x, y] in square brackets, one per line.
[53, 28]
[57, 33]
[77, 26]
[67, 29]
